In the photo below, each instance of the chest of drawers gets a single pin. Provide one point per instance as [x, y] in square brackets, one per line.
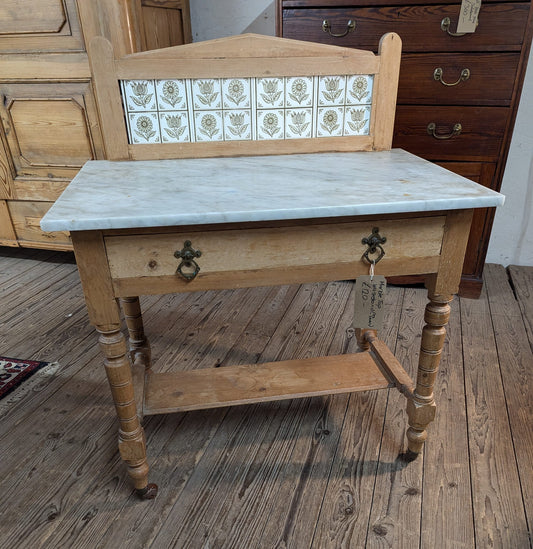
[458, 94]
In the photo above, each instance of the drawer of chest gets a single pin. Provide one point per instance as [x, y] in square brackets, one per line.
[156, 263]
[422, 28]
[26, 217]
[451, 133]
[457, 78]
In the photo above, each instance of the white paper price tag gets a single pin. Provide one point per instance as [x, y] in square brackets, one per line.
[369, 297]
[468, 16]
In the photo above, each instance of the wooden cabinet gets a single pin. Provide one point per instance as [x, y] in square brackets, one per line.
[48, 117]
[457, 96]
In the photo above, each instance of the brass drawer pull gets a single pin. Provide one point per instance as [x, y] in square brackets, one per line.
[374, 242]
[437, 75]
[326, 27]
[445, 27]
[432, 127]
[188, 268]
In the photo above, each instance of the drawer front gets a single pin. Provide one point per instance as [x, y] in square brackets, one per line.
[457, 79]
[267, 256]
[480, 138]
[26, 217]
[501, 26]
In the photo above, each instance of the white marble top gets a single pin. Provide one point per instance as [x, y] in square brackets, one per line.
[115, 195]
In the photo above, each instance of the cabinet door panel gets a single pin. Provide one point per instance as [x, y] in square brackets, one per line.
[501, 26]
[166, 23]
[50, 133]
[46, 16]
[480, 138]
[46, 25]
[489, 81]
[47, 129]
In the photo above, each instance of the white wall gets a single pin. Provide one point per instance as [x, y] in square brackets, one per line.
[512, 235]
[511, 241]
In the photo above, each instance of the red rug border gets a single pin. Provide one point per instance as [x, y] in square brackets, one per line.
[35, 366]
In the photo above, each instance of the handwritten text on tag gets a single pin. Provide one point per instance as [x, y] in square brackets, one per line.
[369, 297]
[468, 17]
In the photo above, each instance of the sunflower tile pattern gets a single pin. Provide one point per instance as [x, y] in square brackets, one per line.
[229, 109]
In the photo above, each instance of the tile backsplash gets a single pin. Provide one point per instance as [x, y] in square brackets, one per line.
[228, 109]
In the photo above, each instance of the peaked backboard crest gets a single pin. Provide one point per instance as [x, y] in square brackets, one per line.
[246, 46]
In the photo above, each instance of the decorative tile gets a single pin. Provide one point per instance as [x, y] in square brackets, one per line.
[270, 93]
[236, 93]
[237, 125]
[330, 121]
[232, 109]
[359, 89]
[174, 126]
[298, 123]
[299, 91]
[171, 95]
[144, 127]
[139, 95]
[357, 120]
[208, 126]
[206, 94]
[331, 90]
[270, 124]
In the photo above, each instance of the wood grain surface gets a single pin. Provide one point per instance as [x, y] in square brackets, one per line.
[317, 472]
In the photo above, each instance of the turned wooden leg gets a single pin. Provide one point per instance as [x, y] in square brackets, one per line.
[131, 441]
[421, 406]
[139, 345]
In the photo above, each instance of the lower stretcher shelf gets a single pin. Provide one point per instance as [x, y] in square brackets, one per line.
[227, 386]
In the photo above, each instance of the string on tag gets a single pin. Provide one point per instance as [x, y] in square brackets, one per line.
[372, 265]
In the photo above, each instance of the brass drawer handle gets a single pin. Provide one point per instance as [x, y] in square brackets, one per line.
[326, 27]
[374, 242]
[188, 268]
[437, 75]
[445, 27]
[432, 127]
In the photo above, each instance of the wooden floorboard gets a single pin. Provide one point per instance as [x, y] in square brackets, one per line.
[515, 358]
[522, 282]
[321, 472]
[345, 512]
[499, 518]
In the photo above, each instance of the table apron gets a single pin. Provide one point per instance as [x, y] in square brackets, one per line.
[234, 258]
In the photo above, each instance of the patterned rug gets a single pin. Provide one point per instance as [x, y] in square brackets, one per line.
[19, 377]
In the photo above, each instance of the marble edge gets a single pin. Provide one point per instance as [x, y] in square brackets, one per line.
[206, 218]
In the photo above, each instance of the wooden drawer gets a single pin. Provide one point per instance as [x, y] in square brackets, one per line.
[26, 217]
[501, 26]
[271, 255]
[480, 138]
[418, 84]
